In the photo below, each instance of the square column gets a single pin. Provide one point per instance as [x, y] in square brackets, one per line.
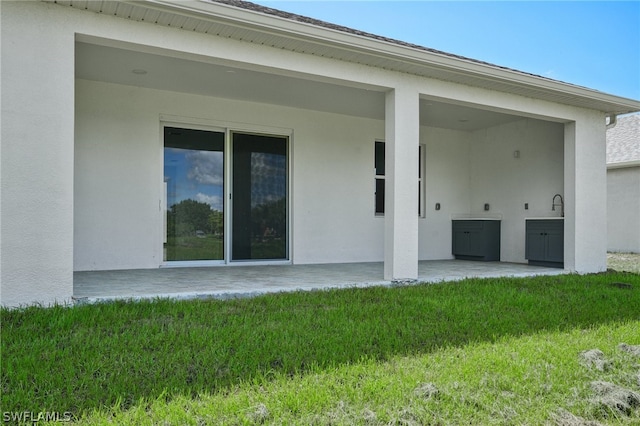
[402, 134]
[36, 251]
[585, 185]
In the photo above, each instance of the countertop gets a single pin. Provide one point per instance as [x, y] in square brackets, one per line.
[467, 216]
[474, 218]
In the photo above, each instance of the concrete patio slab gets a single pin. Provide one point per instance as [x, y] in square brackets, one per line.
[244, 281]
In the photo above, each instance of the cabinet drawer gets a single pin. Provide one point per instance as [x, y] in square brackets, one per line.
[545, 225]
[468, 225]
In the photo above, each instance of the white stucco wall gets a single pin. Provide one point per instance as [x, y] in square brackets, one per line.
[447, 181]
[507, 182]
[37, 157]
[585, 243]
[118, 149]
[623, 209]
[118, 175]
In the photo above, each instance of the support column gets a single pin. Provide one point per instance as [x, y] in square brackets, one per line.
[585, 183]
[37, 124]
[402, 135]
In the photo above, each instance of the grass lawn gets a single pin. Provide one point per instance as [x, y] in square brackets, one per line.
[545, 350]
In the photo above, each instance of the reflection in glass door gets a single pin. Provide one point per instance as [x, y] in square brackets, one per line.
[259, 197]
[194, 187]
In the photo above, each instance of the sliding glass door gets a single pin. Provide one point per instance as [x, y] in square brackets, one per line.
[259, 197]
[195, 188]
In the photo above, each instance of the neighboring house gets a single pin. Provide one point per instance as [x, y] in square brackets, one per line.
[623, 185]
[128, 126]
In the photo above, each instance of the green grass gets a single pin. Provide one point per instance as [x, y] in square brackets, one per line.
[493, 351]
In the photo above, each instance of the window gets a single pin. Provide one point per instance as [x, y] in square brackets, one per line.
[379, 163]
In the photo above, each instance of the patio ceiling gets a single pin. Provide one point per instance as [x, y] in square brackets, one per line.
[117, 65]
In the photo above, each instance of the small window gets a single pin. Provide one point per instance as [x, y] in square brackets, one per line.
[379, 165]
[421, 171]
[379, 188]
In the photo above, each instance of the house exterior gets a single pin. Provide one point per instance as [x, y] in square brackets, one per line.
[623, 185]
[159, 133]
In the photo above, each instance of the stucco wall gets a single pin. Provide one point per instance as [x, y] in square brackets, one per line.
[118, 176]
[447, 181]
[585, 183]
[116, 133]
[37, 157]
[623, 209]
[118, 179]
[506, 180]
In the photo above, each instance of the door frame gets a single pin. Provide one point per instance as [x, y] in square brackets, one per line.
[228, 128]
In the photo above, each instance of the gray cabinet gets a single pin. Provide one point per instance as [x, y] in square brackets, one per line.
[545, 242]
[476, 239]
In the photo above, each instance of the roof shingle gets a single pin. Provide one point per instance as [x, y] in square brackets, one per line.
[623, 140]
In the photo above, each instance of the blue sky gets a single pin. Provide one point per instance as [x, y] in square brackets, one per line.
[595, 44]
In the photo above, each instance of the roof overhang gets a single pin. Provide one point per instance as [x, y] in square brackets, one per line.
[231, 21]
[623, 164]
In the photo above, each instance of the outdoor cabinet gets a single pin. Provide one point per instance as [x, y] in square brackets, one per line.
[545, 242]
[476, 239]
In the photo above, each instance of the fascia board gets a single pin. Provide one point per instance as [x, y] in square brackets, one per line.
[623, 164]
[385, 49]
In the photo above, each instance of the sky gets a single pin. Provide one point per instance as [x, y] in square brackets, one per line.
[595, 44]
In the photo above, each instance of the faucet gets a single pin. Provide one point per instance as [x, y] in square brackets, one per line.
[553, 204]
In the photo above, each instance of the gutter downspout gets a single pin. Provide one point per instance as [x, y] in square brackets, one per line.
[611, 120]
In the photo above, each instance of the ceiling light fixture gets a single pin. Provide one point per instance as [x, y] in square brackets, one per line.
[139, 71]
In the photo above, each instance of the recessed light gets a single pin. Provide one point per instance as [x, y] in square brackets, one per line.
[139, 71]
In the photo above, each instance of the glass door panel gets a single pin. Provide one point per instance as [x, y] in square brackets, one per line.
[259, 171]
[194, 187]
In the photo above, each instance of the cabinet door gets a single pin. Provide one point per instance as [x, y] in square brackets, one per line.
[460, 241]
[536, 244]
[476, 243]
[555, 245]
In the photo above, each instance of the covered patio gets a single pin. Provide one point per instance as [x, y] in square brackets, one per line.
[222, 133]
[246, 281]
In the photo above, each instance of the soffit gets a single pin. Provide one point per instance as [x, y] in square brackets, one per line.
[116, 65]
[231, 21]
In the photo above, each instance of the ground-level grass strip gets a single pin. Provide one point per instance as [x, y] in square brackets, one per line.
[116, 354]
[534, 379]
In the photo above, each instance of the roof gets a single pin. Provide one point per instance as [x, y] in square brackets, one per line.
[623, 140]
[252, 23]
[319, 23]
